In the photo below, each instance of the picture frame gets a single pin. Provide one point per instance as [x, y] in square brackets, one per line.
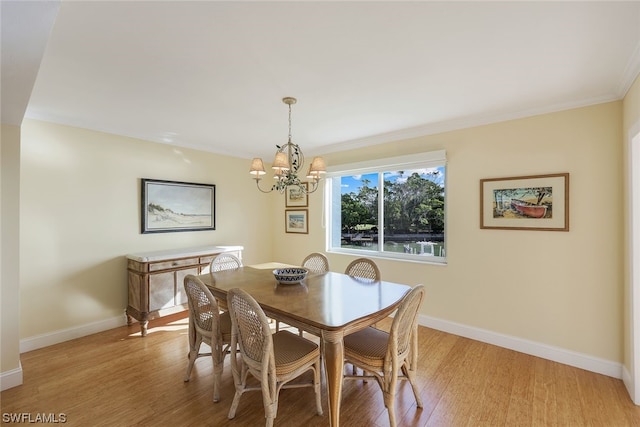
[535, 202]
[173, 206]
[296, 221]
[295, 197]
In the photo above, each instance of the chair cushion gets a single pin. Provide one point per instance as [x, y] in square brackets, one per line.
[369, 344]
[291, 352]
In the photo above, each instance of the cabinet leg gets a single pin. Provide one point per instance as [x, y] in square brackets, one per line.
[143, 327]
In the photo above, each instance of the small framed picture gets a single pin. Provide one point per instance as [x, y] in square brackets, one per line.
[536, 202]
[296, 221]
[296, 197]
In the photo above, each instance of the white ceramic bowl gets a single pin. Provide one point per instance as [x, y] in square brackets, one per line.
[291, 275]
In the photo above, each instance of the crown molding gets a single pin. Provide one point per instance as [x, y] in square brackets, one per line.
[459, 124]
[631, 72]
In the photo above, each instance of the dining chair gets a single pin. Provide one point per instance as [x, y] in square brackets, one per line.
[206, 325]
[316, 263]
[225, 261]
[385, 355]
[273, 359]
[363, 268]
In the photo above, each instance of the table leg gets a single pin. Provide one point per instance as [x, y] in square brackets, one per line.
[334, 366]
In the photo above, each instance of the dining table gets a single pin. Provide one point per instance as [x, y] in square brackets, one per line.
[329, 305]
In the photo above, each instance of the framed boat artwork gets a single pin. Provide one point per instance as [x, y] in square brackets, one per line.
[535, 202]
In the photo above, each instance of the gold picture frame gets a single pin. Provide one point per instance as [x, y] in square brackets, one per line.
[535, 202]
[296, 221]
[294, 196]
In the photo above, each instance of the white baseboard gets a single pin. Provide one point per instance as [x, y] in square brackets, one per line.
[56, 337]
[12, 378]
[556, 354]
[628, 383]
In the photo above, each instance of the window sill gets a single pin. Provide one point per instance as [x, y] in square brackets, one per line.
[417, 259]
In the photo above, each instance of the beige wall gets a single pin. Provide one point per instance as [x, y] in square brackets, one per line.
[80, 216]
[631, 121]
[9, 251]
[562, 289]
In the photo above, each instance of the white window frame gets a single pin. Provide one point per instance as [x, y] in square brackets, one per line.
[414, 161]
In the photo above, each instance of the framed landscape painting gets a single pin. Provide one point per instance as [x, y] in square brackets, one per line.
[296, 221]
[296, 197]
[171, 206]
[536, 202]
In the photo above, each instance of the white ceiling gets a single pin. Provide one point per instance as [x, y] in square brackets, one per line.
[211, 75]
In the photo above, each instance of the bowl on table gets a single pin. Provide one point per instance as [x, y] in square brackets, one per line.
[290, 275]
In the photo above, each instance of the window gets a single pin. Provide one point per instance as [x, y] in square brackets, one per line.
[391, 208]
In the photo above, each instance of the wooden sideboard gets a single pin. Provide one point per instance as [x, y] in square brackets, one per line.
[156, 279]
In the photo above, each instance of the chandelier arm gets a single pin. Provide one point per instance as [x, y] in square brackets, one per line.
[258, 185]
[314, 187]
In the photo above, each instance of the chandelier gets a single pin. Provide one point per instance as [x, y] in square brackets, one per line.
[288, 161]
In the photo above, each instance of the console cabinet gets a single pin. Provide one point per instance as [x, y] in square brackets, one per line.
[156, 280]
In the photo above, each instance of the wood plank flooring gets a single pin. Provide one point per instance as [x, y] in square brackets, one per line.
[117, 378]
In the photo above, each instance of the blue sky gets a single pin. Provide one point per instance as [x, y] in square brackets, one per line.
[184, 199]
[352, 184]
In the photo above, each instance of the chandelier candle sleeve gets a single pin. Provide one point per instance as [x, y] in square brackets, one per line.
[288, 161]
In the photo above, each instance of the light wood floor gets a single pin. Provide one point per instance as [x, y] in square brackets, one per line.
[117, 378]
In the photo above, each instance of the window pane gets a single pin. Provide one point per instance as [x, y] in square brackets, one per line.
[414, 211]
[359, 211]
[395, 211]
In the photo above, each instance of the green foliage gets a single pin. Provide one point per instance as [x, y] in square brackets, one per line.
[410, 206]
[415, 205]
[517, 193]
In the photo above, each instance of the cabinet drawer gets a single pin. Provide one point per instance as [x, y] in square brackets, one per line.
[174, 263]
[206, 260]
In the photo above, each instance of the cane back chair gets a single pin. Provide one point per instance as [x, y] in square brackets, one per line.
[316, 263]
[385, 356]
[363, 268]
[225, 261]
[207, 325]
[273, 359]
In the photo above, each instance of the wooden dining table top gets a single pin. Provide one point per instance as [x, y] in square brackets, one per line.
[326, 301]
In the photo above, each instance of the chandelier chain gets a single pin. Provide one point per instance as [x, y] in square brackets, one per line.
[289, 122]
